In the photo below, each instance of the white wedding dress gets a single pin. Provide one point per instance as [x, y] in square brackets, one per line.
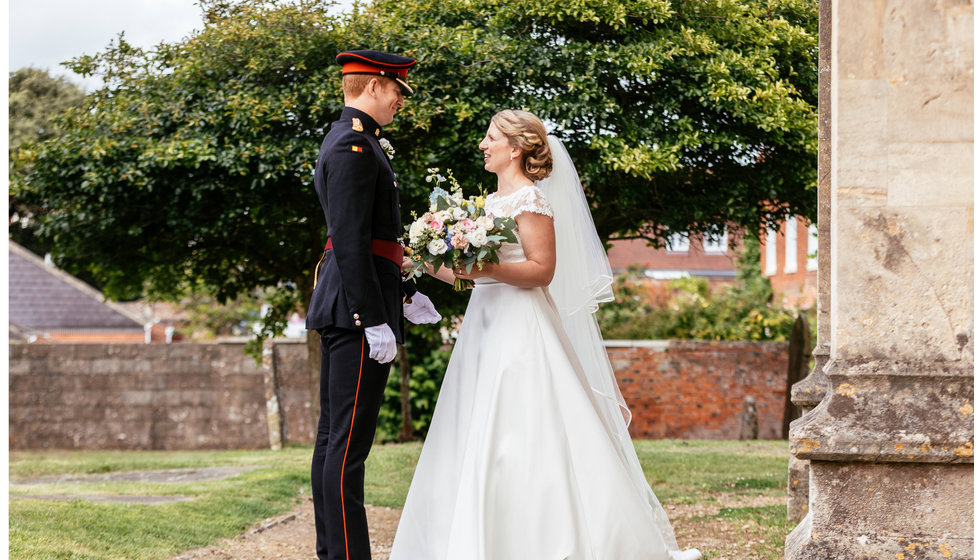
[519, 462]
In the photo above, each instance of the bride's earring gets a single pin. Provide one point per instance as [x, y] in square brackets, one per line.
[511, 157]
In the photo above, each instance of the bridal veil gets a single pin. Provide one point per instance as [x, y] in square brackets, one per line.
[583, 279]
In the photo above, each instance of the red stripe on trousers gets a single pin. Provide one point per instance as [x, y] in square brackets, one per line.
[343, 465]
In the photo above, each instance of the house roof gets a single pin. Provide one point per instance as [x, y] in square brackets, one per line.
[41, 297]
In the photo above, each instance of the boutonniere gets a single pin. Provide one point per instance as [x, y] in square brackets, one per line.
[387, 147]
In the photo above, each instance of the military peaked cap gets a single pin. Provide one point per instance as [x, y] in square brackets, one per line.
[379, 63]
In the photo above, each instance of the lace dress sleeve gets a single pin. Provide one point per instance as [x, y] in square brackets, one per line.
[532, 200]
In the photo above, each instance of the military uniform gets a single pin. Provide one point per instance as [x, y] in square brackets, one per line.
[358, 285]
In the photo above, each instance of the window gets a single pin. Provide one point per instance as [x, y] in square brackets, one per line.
[770, 252]
[789, 264]
[678, 243]
[811, 247]
[716, 244]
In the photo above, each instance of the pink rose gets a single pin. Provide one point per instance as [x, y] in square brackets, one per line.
[468, 224]
[436, 225]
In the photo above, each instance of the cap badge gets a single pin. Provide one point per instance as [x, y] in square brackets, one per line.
[357, 126]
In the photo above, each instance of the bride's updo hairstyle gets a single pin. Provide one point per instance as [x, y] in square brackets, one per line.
[526, 133]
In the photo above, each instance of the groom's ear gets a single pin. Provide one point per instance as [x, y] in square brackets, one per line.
[374, 87]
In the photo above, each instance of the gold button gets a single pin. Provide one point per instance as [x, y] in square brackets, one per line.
[357, 323]
[356, 316]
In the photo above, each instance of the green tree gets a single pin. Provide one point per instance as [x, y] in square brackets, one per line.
[681, 116]
[35, 99]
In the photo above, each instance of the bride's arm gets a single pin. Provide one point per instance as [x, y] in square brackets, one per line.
[538, 241]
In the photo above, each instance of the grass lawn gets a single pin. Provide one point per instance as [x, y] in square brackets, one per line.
[718, 484]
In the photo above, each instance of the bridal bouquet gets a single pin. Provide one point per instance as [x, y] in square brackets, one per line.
[455, 232]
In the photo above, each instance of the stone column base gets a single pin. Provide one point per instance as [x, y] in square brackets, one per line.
[874, 511]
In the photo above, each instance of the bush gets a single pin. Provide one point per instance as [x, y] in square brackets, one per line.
[690, 310]
[428, 367]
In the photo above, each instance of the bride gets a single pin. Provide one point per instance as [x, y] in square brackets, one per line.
[528, 456]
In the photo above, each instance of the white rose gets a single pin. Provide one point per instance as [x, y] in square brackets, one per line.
[458, 213]
[484, 222]
[416, 230]
[438, 246]
[477, 237]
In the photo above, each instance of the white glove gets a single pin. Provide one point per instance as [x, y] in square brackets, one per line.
[381, 341]
[421, 310]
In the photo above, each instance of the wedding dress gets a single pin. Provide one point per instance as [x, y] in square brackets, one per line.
[525, 458]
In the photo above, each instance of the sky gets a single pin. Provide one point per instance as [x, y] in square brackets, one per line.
[44, 33]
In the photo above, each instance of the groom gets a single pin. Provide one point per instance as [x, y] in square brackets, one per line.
[359, 297]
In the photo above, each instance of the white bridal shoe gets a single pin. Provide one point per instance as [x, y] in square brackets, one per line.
[689, 554]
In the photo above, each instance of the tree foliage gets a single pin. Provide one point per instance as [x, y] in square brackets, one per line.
[681, 116]
[194, 163]
[35, 99]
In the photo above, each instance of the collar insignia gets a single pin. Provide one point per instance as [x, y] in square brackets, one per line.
[377, 132]
[356, 125]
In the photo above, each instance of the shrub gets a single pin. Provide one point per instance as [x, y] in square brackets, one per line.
[689, 309]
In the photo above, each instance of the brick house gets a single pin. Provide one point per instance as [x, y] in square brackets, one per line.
[789, 259]
[50, 305]
[709, 258]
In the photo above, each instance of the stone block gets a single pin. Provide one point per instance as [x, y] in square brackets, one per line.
[924, 174]
[930, 112]
[904, 289]
[890, 411]
[911, 500]
[859, 54]
[861, 142]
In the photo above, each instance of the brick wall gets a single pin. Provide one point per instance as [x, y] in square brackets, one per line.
[696, 389]
[213, 396]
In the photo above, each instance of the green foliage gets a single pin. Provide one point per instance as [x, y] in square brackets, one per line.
[428, 360]
[36, 98]
[207, 319]
[742, 311]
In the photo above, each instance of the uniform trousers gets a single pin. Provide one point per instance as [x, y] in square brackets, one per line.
[351, 390]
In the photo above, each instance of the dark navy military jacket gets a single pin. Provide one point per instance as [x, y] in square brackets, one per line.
[358, 191]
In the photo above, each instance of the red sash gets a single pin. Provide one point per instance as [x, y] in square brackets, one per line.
[391, 250]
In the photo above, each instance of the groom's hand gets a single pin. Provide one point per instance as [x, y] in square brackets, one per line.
[381, 343]
[419, 310]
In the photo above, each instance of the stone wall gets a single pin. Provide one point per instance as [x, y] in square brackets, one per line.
[696, 389]
[213, 396]
[135, 396]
